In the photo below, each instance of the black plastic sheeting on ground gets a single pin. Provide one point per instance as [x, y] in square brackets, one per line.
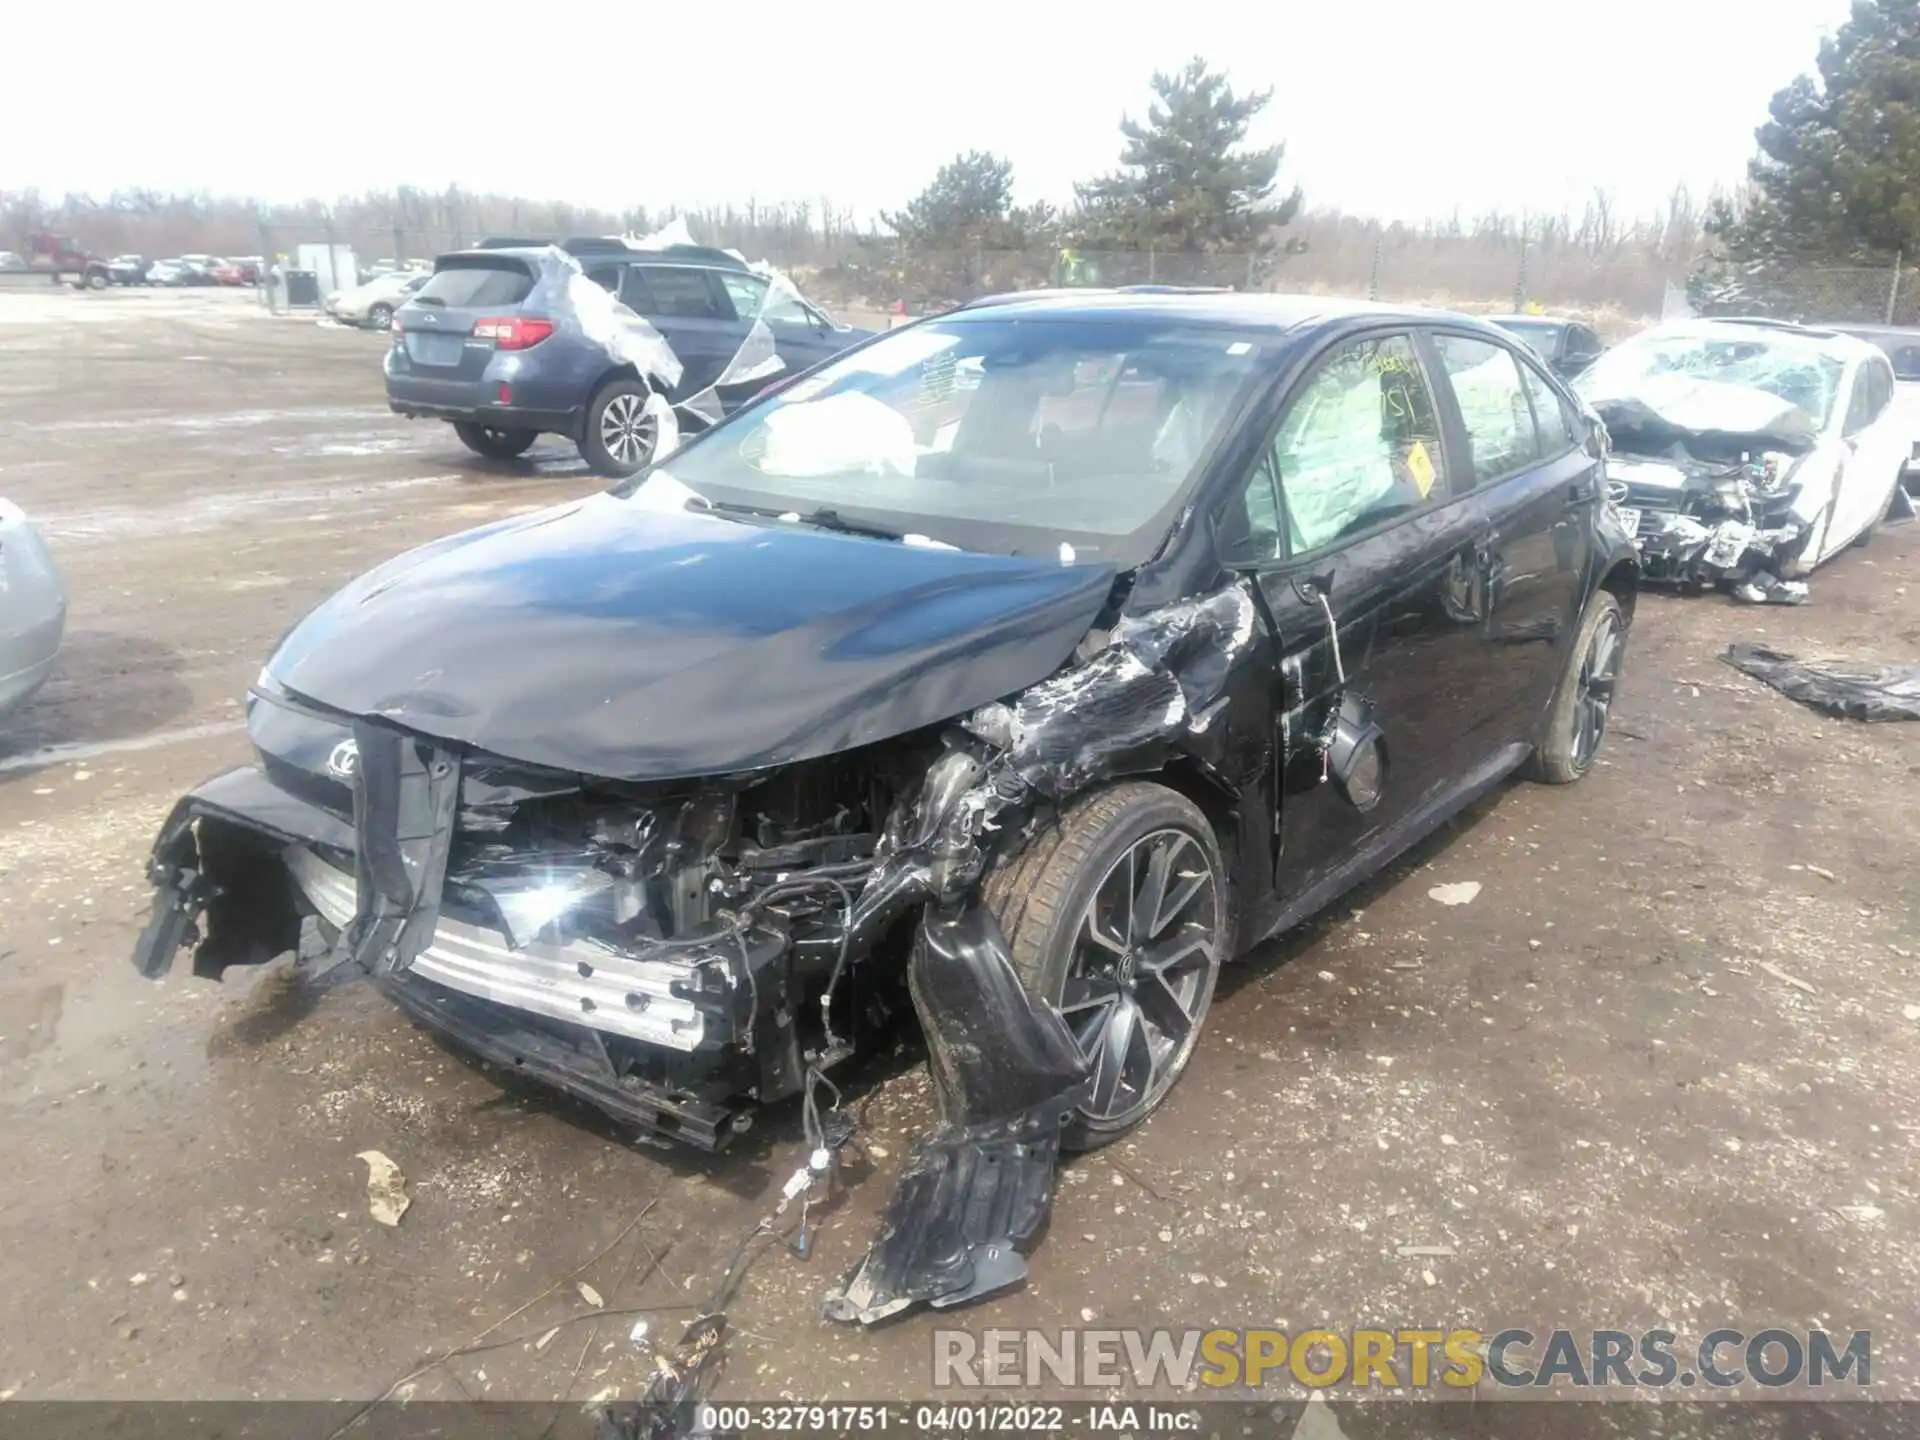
[1843, 688]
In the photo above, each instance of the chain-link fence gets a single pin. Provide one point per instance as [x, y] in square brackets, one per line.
[1618, 289]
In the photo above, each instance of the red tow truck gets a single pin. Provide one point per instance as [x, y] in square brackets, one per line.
[59, 257]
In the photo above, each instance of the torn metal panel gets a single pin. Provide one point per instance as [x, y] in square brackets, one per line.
[1157, 678]
[1845, 689]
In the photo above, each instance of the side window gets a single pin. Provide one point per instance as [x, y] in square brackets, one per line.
[1906, 363]
[681, 291]
[747, 292]
[1551, 417]
[1358, 445]
[1493, 404]
[1860, 411]
[1882, 389]
[607, 277]
[633, 291]
[753, 296]
[1584, 345]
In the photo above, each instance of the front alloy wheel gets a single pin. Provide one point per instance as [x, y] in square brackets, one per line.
[1593, 696]
[1141, 972]
[1118, 912]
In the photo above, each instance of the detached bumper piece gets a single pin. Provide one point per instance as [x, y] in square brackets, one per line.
[976, 1190]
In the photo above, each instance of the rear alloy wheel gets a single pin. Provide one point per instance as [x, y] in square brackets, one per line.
[492, 443]
[620, 436]
[1576, 722]
[379, 317]
[1119, 914]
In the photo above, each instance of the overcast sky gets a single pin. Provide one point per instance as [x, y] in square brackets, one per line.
[1398, 108]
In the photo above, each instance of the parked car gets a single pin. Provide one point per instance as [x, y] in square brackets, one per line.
[372, 304]
[33, 609]
[483, 346]
[1749, 452]
[128, 269]
[11, 261]
[1194, 612]
[1567, 345]
[167, 272]
[1901, 345]
[242, 271]
[199, 270]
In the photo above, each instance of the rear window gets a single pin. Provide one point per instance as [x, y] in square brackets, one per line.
[472, 283]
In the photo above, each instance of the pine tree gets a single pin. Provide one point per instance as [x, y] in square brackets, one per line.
[1185, 183]
[1838, 174]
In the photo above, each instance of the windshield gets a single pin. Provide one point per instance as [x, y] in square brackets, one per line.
[999, 434]
[1796, 373]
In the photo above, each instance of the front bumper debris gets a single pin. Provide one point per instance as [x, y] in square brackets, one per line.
[976, 1190]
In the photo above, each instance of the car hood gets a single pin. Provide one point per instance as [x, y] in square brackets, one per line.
[606, 638]
[1664, 410]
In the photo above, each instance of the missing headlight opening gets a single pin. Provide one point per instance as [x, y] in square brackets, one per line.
[679, 953]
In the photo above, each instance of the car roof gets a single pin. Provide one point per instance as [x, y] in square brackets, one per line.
[1260, 310]
[1505, 320]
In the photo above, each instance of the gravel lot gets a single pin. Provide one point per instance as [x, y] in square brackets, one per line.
[1661, 1070]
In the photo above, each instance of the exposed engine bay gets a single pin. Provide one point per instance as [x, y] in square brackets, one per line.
[1729, 522]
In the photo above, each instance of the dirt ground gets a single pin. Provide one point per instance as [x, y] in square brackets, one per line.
[1660, 1071]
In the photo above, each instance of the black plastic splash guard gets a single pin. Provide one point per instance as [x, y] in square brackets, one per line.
[977, 1189]
[403, 818]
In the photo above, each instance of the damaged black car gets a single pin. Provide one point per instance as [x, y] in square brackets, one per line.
[1047, 655]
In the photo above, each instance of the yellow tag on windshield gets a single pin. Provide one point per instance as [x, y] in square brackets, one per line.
[1420, 467]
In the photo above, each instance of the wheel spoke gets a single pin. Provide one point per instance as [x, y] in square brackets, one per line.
[1116, 1043]
[1164, 1008]
[1152, 893]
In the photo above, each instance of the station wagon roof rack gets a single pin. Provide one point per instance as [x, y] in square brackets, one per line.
[582, 246]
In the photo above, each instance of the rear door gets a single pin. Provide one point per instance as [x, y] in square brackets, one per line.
[691, 311]
[1350, 505]
[436, 325]
[1538, 493]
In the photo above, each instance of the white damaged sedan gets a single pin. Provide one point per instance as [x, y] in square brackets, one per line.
[1746, 453]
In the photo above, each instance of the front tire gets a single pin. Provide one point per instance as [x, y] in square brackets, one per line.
[1576, 721]
[492, 443]
[1119, 913]
[97, 280]
[619, 437]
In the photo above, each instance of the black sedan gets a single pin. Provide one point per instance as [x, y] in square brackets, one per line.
[1568, 346]
[1049, 653]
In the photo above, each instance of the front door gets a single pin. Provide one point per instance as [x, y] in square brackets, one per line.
[1357, 537]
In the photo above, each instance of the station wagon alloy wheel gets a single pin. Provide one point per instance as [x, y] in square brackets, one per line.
[627, 431]
[1599, 674]
[1142, 970]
